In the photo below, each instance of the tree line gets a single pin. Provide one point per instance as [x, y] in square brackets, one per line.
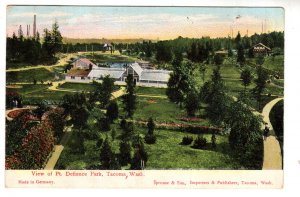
[34, 50]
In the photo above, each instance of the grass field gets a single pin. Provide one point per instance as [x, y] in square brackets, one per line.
[151, 91]
[33, 94]
[29, 75]
[109, 58]
[274, 63]
[166, 153]
[77, 86]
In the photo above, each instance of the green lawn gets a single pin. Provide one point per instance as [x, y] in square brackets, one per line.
[274, 63]
[28, 89]
[166, 153]
[109, 58]
[77, 86]
[151, 91]
[29, 75]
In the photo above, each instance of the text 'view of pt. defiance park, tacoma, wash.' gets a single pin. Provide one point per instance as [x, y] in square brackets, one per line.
[144, 88]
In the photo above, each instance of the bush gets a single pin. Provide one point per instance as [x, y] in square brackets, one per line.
[186, 140]
[150, 139]
[200, 142]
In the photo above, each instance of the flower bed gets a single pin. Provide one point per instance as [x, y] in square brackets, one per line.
[17, 112]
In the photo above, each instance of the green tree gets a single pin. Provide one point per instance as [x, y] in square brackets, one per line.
[105, 90]
[140, 157]
[212, 93]
[151, 126]
[112, 111]
[163, 52]
[129, 99]
[246, 77]
[106, 154]
[58, 123]
[192, 102]
[260, 82]
[238, 39]
[56, 38]
[180, 82]
[240, 55]
[125, 152]
[245, 136]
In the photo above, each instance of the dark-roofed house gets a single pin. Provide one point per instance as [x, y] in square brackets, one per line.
[261, 49]
[83, 63]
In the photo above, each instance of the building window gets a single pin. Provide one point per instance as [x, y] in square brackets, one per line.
[72, 77]
[89, 78]
[83, 78]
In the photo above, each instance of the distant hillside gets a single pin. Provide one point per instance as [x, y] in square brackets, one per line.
[101, 41]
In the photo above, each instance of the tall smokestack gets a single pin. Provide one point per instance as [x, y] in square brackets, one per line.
[34, 26]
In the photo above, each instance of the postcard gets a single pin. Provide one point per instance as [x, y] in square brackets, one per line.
[144, 96]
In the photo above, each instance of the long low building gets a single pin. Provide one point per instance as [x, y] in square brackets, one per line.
[141, 76]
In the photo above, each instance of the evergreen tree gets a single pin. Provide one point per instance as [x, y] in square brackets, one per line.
[260, 82]
[140, 157]
[246, 77]
[106, 154]
[105, 90]
[112, 111]
[192, 103]
[240, 55]
[151, 126]
[129, 99]
[125, 152]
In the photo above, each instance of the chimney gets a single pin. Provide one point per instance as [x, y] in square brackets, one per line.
[34, 26]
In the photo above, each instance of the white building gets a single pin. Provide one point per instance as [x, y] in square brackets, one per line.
[142, 77]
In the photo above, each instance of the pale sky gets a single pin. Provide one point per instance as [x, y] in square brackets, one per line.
[146, 22]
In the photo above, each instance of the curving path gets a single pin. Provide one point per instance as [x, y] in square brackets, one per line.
[60, 62]
[272, 151]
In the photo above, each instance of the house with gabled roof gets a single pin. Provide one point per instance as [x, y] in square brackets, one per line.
[83, 63]
[261, 49]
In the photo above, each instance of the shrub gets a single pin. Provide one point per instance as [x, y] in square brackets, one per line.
[150, 139]
[186, 140]
[200, 142]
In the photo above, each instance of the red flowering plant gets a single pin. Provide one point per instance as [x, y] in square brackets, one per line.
[34, 150]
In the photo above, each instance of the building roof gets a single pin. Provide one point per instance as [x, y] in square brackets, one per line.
[86, 61]
[261, 45]
[78, 72]
[137, 68]
[155, 75]
[115, 73]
